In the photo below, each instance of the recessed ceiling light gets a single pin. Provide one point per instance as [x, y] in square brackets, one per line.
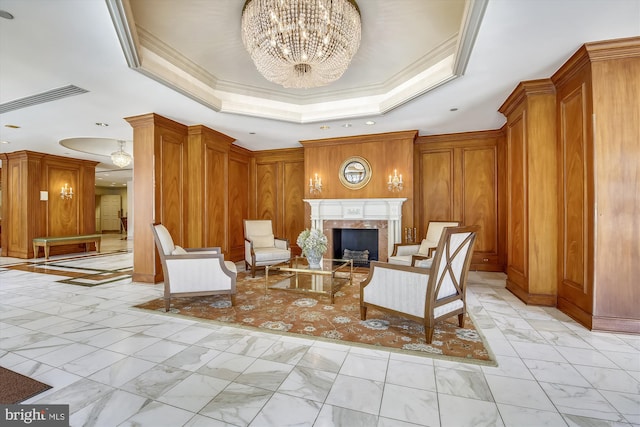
[324, 127]
[124, 185]
[5, 142]
[347, 125]
[106, 174]
[453, 109]
[6, 15]
[12, 126]
[99, 178]
[104, 125]
[369, 122]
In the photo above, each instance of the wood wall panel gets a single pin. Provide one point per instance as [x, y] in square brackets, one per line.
[598, 116]
[532, 192]
[65, 220]
[294, 187]
[461, 178]
[238, 205]
[384, 152]
[215, 213]
[517, 192]
[25, 174]
[267, 192]
[480, 196]
[170, 199]
[437, 181]
[572, 263]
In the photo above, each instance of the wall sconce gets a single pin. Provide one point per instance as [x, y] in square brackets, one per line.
[315, 185]
[66, 192]
[395, 181]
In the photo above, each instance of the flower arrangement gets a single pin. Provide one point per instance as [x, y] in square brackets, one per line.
[312, 242]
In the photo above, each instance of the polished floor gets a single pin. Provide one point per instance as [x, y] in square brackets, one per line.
[119, 366]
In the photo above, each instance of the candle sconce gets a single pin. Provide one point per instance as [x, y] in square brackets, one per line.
[395, 183]
[315, 185]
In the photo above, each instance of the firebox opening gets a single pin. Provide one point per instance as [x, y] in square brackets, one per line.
[351, 243]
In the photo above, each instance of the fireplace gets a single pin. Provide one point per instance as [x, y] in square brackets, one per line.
[382, 215]
[359, 244]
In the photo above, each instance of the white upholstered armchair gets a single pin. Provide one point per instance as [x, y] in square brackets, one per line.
[420, 254]
[261, 247]
[193, 272]
[425, 295]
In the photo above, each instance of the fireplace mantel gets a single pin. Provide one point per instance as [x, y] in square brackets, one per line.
[389, 210]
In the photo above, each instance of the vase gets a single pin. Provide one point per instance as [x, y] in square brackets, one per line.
[314, 258]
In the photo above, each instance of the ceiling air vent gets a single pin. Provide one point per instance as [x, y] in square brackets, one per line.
[41, 98]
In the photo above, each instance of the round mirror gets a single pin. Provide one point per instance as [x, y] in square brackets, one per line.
[355, 172]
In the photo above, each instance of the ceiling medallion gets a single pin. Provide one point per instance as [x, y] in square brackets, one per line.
[301, 43]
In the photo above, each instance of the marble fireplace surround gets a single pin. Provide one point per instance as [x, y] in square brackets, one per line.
[382, 214]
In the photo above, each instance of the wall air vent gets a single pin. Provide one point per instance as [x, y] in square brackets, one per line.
[41, 98]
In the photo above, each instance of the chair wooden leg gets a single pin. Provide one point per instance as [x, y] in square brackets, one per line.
[253, 271]
[233, 299]
[461, 320]
[428, 333]
[363, 312]
[167, 304]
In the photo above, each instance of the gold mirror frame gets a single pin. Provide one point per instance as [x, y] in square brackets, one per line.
[355, 172]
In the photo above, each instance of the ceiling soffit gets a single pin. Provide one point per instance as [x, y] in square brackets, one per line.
[155, 56]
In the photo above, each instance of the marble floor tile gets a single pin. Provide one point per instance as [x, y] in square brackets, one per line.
[358, 394]
[362, 366]
[238, 404]
[410, 405]
[194, 392]
[286, 410]
[518, 392]
[308, 383]
[463, 412]
[117, 365]
[155, 413]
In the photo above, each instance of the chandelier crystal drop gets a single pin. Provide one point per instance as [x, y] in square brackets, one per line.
[301, 43]
[121, 158]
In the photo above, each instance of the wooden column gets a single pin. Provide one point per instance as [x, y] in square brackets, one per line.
[158, 182]
[207, 179]
[532, 224]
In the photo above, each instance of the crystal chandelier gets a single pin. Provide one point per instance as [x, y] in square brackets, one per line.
[301, 43]
[121, 158]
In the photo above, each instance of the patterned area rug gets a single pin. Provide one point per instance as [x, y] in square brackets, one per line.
[311, 314]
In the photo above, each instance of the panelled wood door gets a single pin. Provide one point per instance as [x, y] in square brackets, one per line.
[110, 206]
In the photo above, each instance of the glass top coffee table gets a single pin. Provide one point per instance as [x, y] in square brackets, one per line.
[298, 276]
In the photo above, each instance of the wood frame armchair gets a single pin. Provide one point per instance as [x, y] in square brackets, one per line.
[261, 247]
[193, 272]
[425, 295]
[420, 254]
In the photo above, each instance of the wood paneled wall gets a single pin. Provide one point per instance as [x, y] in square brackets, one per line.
[384, 152]
[599, 202]
[532, 228]
[241, 194]
[25, 216]
[280, 186]
[460, 178]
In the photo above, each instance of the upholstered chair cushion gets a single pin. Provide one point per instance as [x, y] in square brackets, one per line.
[263, 241]
[425, 246]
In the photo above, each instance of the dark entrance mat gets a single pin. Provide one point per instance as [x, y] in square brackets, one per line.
[17, 388]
